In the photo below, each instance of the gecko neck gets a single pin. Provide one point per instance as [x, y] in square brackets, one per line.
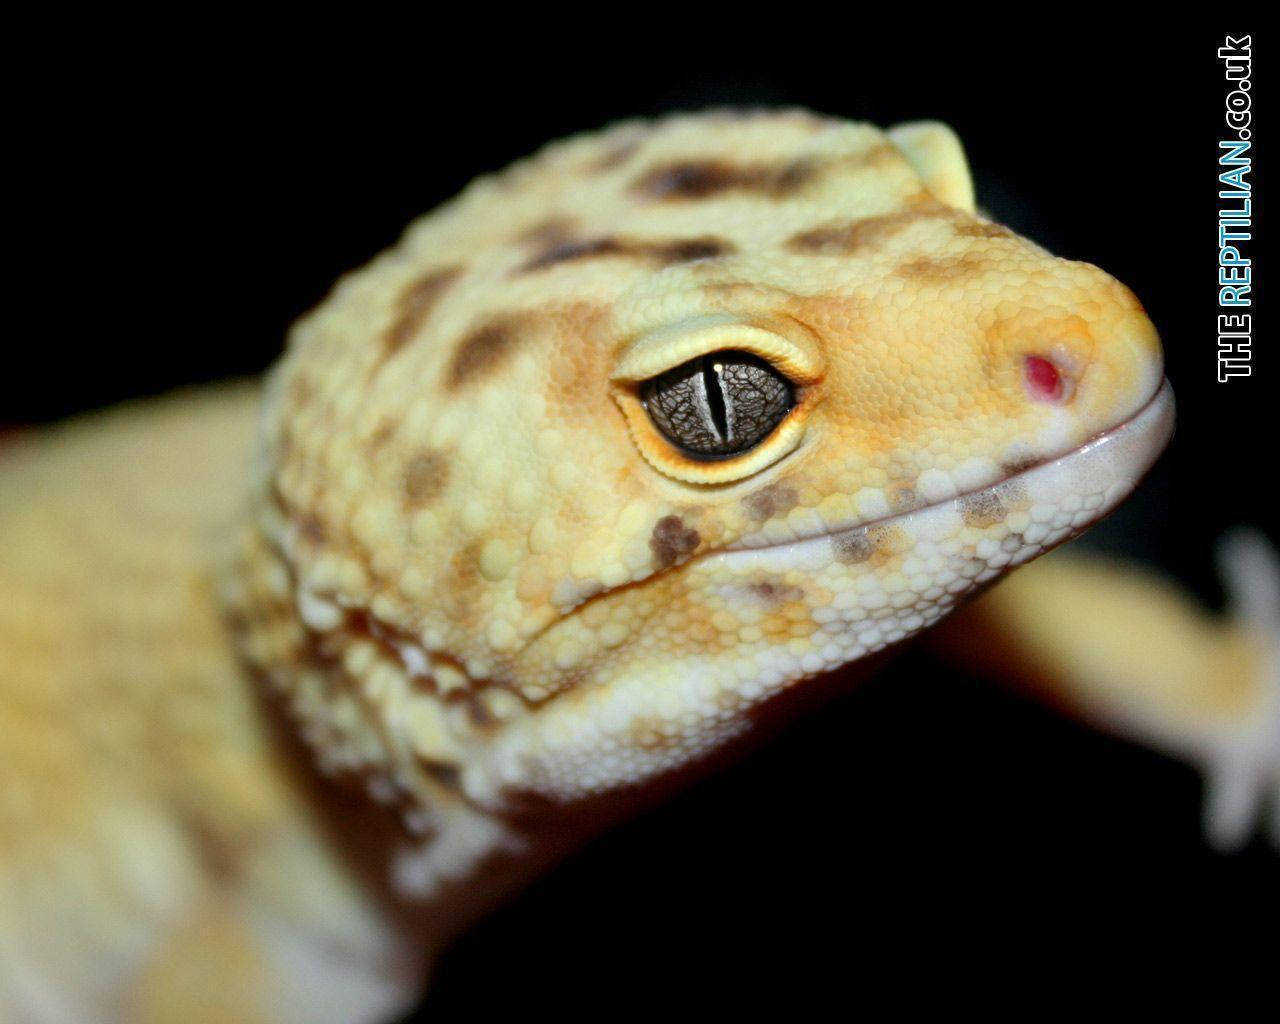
[443, 858]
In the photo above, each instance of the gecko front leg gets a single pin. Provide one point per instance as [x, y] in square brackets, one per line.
[1134, 653]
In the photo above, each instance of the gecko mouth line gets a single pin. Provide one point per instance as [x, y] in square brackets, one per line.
[1133, 445]
[1127, 450]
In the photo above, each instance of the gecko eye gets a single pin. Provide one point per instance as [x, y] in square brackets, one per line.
[718, 405]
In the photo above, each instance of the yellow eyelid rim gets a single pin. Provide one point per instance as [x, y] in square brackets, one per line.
[795, 355]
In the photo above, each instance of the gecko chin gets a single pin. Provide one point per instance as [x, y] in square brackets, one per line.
[779, 615]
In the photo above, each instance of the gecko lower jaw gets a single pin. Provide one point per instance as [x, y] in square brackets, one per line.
[1064, 494]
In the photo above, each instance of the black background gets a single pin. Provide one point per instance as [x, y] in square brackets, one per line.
[192, 198]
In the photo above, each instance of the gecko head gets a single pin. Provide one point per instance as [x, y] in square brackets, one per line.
[822, 474]
[595, 498]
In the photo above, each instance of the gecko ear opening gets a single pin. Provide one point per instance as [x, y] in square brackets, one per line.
[937, 156]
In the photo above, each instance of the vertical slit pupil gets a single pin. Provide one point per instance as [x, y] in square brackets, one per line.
[715, 398]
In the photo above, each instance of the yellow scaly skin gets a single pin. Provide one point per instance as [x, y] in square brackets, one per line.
[161, 858]
[483, 583]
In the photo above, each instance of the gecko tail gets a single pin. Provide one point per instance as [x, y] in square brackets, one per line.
[1242, 773]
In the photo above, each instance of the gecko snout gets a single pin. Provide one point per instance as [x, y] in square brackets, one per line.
[1081, 357]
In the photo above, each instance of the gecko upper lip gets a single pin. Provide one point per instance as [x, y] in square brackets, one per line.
[1118, 457]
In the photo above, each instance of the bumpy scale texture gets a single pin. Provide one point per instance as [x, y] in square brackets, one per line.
[482, 574]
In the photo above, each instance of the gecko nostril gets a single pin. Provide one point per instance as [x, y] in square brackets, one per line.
[1045, 380]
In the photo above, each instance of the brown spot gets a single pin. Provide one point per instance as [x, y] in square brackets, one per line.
[552, 231]
[701, 179]
[385, 432]
[690, 249]
[982, 229]
[311, 528]
[479, 713]
[458, 592]
[853, 546]
[768, 592]
[773, 593]
[415, 305]
[427, 683]
[776, 499]
[671, 541]
[689, 180]
[1015, 466]
[424, 477]
[982, 509]
[794, 176]
[840, 238]
[944, 268]
[483, 349]
[570, 251]
[678, 251]
[449, 776]
[220, 853]
[616, 156]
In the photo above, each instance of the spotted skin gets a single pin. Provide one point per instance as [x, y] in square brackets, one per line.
[484, 587]
[415, 305]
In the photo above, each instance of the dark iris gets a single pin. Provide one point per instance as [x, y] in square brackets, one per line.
[718, 405]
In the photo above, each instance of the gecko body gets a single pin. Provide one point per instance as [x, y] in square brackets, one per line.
[547, 505]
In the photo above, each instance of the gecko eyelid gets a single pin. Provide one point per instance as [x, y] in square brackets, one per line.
[718, 405]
